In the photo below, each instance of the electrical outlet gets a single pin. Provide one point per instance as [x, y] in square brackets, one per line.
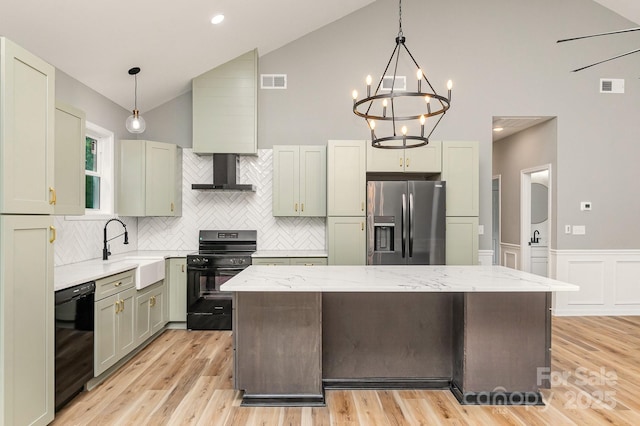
[567, 229]
[579, 230]
[480, 229]
[585, 206]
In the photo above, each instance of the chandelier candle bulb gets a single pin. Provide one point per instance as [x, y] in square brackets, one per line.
[355, 96]
[449, 87]
[384, 108]
[372, 125]
[427, 99]
[368, 80]
[422, 121]
[419, 76]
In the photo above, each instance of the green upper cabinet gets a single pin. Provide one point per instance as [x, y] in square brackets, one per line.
[299, 180]
[70, 160]
[460, 169]
[425, 159]
[27, 99]
[150, 181]
[346, 177]
[225, 108]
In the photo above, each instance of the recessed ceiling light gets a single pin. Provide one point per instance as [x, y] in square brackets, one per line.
[498, 129]
[217, 19]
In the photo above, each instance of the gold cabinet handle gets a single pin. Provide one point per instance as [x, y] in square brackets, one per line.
[152, 301]
[53, 233]
[171, 206]
[362, 226]
[362, 206]
[182, 268]
[118, 284]
[52, 196]
[117, 304]
[302, 207]
[295, 207]
[406, 163]
[121, 305]
[400, 161]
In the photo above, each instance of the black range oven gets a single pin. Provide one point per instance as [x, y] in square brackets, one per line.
[221, 255]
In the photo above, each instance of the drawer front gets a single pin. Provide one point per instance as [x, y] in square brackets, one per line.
[270, 261]
[309, 261]
[113, 284]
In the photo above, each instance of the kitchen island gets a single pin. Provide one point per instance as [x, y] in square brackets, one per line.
[483, 332]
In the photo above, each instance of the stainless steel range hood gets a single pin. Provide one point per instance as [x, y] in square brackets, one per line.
[224, 175]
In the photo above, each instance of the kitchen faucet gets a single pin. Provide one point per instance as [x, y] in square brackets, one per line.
[535, 239]
[105, 249]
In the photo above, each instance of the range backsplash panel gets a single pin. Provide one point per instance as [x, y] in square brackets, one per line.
[230, 210]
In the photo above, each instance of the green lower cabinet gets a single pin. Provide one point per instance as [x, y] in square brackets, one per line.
[462, 241]
[300, 261]
[150, 311]
[114, 329]
[177, 289]
[347, 240]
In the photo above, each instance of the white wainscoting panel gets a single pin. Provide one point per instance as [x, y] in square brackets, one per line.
[609, 281]
[230, 210]
[485, 257]
[510, 255]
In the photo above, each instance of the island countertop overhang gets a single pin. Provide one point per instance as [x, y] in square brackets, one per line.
[391, 278]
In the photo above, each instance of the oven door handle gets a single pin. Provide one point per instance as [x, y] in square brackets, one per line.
[223, 270]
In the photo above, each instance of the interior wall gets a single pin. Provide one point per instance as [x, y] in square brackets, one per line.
[503, 59]
[532, 147]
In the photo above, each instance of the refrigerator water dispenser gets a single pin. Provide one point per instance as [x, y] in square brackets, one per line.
[383, 230]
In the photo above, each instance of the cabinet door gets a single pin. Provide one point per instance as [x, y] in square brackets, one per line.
[159, 179]
[347, 241]
[462, 240]
[26, 320]
[70, 158]
[385, 160]
[143, 321]
[346, 178]
[426, 159]
[313, 181]
[286, 180]
[156, 309]
[127, 322]
[270, 261]
[106, 333]
[460, 169]
[27, 132]
[177, 289]
[131, 181]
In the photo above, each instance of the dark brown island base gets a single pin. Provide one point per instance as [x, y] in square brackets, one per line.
[481, 332]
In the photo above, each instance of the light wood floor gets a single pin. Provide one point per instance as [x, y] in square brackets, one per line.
[185, 378]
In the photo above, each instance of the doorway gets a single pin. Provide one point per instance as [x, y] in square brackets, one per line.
[535, 219]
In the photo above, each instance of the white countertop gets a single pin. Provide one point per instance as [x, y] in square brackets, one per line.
[66, 276]
[391, 278]
[290, 253]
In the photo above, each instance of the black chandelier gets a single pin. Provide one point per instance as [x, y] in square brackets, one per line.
[373, 108]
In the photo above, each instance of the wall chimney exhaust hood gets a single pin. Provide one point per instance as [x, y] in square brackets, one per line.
[224, 175]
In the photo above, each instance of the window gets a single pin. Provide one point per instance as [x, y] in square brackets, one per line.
[99, 187]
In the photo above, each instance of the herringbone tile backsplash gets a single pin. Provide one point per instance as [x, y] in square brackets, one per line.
[80, 240]
[230, 210]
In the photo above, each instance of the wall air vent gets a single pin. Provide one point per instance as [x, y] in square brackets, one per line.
[611, 85]
[273, 81]
[387, 83]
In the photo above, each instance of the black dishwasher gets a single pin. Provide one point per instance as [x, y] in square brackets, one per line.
[74, 341]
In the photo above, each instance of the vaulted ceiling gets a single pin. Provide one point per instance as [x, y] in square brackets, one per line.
[96, 42]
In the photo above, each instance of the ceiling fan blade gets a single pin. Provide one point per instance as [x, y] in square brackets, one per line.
[598, 35]
[606, 60]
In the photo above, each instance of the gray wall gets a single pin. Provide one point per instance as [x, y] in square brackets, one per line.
[171, 122]
[503, 59]
[532, 147]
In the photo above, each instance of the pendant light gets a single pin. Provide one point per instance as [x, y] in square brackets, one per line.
[135, 123]
[420, 110]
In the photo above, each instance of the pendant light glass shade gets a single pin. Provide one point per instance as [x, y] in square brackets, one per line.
[135, 123]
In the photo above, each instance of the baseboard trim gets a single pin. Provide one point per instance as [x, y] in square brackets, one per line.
[283, 401]
[388, 383]
[496, 398]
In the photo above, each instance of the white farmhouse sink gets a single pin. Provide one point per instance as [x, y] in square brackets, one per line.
[150, 270]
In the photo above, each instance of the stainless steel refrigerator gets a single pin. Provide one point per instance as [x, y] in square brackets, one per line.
[406, 222]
